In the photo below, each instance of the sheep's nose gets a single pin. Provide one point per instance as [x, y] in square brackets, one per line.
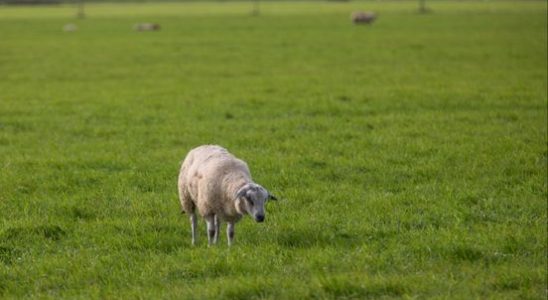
[259, 218]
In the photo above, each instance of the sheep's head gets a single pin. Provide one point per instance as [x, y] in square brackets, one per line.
[252, 198]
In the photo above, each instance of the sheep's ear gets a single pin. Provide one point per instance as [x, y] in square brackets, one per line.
[241, 192]
[272, 197]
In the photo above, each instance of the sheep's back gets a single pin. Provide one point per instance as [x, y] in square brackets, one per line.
[209, 161]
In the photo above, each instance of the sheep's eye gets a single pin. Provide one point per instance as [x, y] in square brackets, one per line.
[249, 201]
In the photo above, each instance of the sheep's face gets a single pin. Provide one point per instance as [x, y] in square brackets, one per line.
[252, 199]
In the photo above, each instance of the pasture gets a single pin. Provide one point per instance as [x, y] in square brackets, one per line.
[409, 156]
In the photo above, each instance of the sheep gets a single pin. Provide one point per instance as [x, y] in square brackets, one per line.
[363, 17]
[70, 27]
[219, 186]
[146, 27]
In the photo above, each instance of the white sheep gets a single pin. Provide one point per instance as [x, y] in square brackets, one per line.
[363, 17]
[219, 185]
[70, 27]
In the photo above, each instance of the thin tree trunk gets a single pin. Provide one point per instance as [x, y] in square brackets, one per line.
[81, 13]
[256, 9]
[422, 6]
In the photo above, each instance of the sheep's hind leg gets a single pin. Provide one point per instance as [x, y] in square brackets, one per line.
[210, 221]
[230, 232]
[217, 229]
[194, 225]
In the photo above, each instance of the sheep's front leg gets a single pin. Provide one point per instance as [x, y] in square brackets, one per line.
[193, 225]
[230, 232]
[217, 229]
[210, 220]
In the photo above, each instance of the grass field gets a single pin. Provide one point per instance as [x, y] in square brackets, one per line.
[409, 157]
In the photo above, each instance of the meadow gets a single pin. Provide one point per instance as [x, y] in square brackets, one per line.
[409, 157]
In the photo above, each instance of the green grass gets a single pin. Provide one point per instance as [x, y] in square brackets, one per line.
[409, 157]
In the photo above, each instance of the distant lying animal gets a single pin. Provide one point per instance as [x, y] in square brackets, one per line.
[70, 27]
[363, 17]
[146, 27]
[219, 186]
